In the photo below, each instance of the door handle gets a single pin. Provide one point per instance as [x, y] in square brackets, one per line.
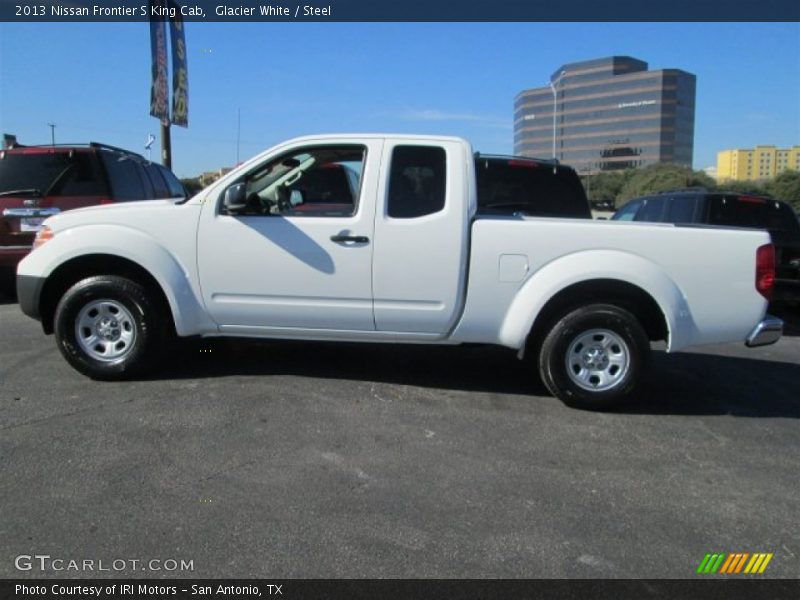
[357, 239]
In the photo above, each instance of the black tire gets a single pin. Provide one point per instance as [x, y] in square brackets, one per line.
[605, 348]
[133, 323]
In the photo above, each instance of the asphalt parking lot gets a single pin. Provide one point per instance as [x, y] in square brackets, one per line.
[255, 459]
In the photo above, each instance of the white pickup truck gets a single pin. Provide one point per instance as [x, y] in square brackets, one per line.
[391, 238]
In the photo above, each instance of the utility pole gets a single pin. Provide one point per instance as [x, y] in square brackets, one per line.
[553, 85]
[238, 132]
[166, 144]
[52, 127]
[588, 185]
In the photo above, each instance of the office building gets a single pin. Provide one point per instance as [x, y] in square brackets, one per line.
[610, 113]
[762, 162]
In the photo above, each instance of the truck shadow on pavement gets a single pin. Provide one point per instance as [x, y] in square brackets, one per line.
[676, 384]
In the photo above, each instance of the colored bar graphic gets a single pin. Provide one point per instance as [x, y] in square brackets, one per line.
[754, 562]
[765, 563]
[739, 566]
[727, 563]
[717, 563]
[734, 563]
[703, 564]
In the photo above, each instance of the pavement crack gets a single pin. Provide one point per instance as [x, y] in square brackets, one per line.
[228, 470]
[50, 417]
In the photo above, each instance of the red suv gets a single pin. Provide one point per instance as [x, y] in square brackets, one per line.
[39, 181]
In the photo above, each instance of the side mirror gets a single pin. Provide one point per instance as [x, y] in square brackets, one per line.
[296, 198]
[235, 199]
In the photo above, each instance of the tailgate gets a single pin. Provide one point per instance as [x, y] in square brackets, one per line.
[21, 218]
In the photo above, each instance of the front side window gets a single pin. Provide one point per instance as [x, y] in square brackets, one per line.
[627, 212]
[652, 210]
[417, 181]
[323, 182]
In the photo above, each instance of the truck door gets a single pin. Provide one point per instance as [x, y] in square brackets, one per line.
[421, 230]
[300, 255]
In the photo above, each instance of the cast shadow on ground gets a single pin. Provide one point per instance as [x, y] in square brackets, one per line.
[677, 384]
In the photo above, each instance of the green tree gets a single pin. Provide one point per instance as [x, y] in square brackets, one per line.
[786, 186]
[606, 185]
[660, 177]
[192, 184]
[742, 187]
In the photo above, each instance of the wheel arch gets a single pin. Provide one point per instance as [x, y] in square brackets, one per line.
[74, 270]
[616, 292]
[599, 276]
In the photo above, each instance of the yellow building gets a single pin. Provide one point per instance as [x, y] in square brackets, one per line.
[762, 162]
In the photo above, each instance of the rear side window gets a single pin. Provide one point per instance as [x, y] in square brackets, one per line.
[160, 189]
[519, 186]
[417, 182]
[175, 187]
[54, 173]
[682, 209]
[124, 177]
[149, 191]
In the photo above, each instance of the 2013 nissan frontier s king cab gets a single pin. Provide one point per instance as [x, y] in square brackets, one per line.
[388, 238]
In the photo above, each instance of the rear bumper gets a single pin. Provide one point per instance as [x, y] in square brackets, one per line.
[786, 290]
[29, 291]
[768, 331]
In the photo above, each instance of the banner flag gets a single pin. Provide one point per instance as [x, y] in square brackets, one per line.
[180, 69]
[159, 90]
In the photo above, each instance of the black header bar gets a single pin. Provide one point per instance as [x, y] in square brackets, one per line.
[66, 11]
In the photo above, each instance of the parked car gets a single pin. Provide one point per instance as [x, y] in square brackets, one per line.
[729, 209]
[41, 181]
[401, 253]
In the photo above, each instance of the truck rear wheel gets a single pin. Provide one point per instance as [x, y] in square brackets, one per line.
[107, 327]
[594, 356]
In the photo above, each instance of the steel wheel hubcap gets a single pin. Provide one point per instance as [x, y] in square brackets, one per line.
[105, 330]
[598, 360]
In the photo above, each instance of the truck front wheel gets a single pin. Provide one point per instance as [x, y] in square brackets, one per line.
[107, 327]
[594, 356]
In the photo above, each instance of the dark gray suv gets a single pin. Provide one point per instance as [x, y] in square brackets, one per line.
[729, 209]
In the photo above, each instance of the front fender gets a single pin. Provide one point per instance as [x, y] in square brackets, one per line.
[590, 265]
[172, 272]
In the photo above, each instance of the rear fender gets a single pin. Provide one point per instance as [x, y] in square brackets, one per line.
[586, 266]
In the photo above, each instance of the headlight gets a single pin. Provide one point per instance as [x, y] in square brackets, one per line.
[45, 234]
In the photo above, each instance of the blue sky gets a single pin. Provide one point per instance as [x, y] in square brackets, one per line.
[92, 80]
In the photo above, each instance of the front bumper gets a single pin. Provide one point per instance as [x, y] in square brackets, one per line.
[29, 291]
[768, 331]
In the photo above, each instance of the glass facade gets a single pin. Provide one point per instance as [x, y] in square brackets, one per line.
[610, 113]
